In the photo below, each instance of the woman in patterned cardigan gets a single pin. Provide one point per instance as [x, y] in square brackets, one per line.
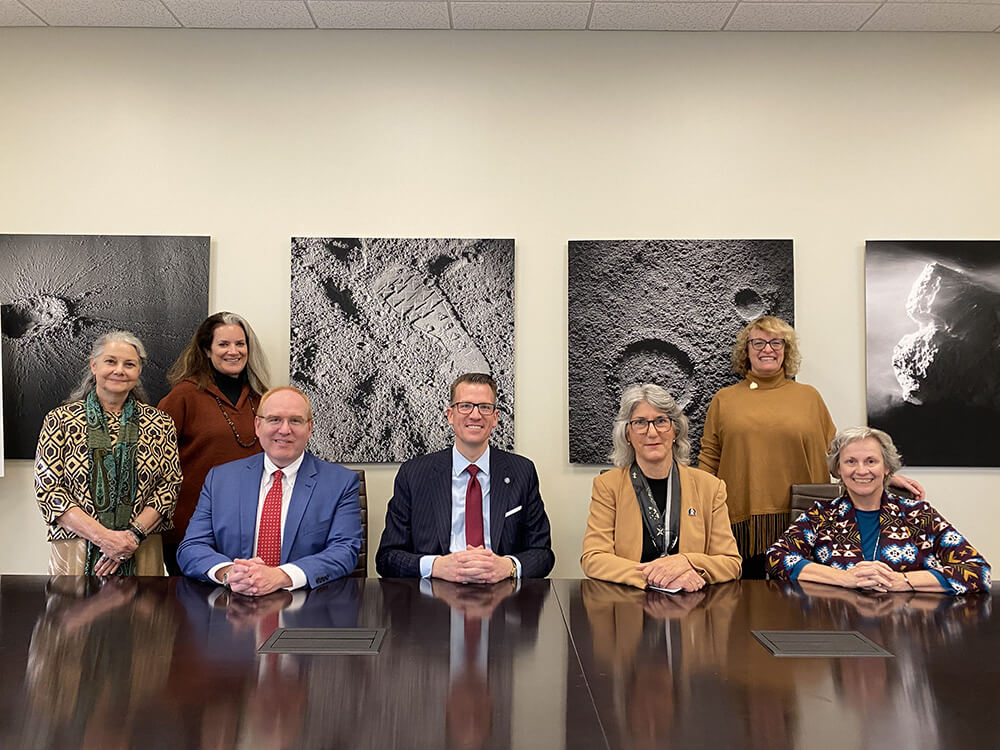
[106, 469]
[871, 539]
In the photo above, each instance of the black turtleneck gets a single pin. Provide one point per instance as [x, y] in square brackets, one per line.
[231, 387]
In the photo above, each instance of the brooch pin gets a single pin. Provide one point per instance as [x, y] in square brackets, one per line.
[753, 386]
[692, 512]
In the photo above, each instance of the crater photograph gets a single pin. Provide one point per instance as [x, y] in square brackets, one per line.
[664, 312]
[58, 293]
[933, 348]
[379, 329]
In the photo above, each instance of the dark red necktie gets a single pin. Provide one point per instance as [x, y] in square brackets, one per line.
[474, 510]
[269, 534]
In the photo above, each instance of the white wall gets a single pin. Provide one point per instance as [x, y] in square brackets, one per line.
[254, 137]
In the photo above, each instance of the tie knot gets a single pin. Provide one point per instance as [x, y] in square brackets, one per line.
[473, 470]
[276, 476]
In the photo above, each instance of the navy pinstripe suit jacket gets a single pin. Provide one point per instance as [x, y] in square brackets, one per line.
[418, 518]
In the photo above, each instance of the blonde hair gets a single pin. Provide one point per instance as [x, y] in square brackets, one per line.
[293, 389]
[772, 326]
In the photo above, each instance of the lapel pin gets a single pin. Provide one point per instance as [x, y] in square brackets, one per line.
[692, 512]
[506, 480]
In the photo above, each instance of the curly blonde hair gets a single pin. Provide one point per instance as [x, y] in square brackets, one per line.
[772, 326]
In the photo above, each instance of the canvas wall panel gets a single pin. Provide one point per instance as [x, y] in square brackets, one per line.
[381, 326]
[666, 312]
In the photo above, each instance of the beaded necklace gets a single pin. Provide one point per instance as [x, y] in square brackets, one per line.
[232, 426]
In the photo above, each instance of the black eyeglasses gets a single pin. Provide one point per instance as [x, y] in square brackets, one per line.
[466, 407]
[642, 425]
[776, 344]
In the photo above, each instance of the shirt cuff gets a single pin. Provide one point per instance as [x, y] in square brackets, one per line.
[427, 565]
[211, 572]
[793, 574]
[298, 576]
[517, 564]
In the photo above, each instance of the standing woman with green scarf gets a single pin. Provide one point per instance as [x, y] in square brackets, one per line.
[106, 469]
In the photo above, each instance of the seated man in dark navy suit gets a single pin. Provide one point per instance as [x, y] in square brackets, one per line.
[282, 519]
[471, 513]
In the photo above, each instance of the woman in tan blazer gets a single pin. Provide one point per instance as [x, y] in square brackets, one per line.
[655, 522]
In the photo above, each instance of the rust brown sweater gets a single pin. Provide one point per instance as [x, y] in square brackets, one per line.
[205, 440]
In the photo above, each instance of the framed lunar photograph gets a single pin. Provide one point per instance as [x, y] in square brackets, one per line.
[664, 312]
[59, 293]
[379, 329]
[933, 348]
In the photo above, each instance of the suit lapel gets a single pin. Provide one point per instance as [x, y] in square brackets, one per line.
[248, 499]
[440, 499]
[305, 482]
[499, 497]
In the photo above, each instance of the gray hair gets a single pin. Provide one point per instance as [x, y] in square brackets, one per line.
[86, 384]
[623, 454]
[890, 456]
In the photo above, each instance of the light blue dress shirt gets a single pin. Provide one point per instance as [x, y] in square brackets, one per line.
[459, 485]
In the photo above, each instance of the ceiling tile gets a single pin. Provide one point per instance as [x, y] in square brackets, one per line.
[674, 16]
[934, 17]
[378, 14]
[12, 13]
[241, 14]
[102, 12]
[810, 16]
[520, 15]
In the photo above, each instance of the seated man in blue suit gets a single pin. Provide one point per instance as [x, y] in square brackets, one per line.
[283, 519]
[471, 513]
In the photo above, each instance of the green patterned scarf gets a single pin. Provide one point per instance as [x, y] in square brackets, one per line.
[112, 473]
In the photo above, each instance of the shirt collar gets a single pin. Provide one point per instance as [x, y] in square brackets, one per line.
[288, 472]
[459, 463]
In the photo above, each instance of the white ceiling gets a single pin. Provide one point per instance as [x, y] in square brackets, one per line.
[592, 15]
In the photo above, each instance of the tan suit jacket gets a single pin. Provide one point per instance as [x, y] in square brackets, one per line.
[612, 546]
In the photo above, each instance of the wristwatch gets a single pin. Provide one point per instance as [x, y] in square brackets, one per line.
[513, 570]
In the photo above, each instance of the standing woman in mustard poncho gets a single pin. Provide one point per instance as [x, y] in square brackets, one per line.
[765, 434]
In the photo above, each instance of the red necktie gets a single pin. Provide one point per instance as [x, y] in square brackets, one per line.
[474, 509]
[269, 534]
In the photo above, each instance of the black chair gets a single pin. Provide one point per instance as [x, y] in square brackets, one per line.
[804, 495]
[361, 571]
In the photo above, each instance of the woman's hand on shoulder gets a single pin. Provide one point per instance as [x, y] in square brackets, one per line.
[905, 483]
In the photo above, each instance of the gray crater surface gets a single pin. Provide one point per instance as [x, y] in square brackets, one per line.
[667, 312]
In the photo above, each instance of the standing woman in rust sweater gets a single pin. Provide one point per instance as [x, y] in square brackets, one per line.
[217, 384]
[765, 434]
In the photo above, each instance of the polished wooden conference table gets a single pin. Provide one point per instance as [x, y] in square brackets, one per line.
[172, 663]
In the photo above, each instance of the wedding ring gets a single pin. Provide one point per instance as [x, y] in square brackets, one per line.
[121, 559]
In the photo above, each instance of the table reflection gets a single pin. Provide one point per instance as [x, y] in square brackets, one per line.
[685, 670]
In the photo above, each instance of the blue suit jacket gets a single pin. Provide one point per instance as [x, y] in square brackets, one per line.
[418, 518]
[322, 529]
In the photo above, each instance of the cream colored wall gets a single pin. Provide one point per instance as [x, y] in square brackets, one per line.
[253, 137]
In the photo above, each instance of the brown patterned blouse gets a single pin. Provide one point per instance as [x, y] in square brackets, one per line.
[62, 462]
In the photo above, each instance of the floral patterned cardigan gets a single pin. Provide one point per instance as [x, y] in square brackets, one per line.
[912, 536]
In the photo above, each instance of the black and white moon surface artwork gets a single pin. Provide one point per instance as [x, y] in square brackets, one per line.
[933, 348]
[381, 326]
[61, 292]
[664, 312]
